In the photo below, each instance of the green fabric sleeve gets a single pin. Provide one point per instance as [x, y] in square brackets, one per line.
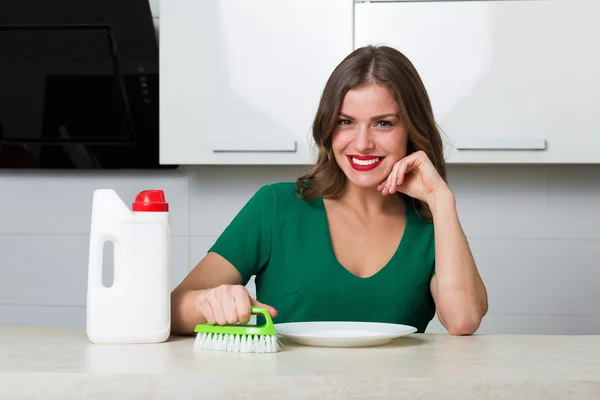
[246, 241]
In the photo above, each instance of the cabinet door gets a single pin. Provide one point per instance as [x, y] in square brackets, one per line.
[240, 80]
[510, 81]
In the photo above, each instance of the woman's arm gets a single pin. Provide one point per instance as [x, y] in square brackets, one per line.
[211, 272]
[457, 288]
[213, 290]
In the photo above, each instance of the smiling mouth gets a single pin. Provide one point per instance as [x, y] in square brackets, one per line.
[364, 163]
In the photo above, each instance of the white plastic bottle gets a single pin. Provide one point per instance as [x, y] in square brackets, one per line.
[136, 307]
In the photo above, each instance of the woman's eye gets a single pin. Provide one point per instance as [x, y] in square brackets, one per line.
[344, 122]
[384, 124]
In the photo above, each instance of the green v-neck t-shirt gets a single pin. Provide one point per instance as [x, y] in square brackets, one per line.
[284, 240]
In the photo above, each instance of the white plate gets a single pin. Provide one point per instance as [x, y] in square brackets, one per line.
[342, 334]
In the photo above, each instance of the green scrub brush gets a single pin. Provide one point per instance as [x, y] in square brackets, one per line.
[239, 338]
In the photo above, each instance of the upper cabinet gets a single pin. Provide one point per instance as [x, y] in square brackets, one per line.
[241, 79]
[509, 81]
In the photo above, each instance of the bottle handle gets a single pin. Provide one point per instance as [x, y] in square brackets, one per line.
[96, 260]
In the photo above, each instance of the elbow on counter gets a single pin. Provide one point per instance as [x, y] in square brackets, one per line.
[464, 325]
[464, 328]
[467, 322]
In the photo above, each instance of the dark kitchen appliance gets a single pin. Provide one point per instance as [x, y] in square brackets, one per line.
[78, 85]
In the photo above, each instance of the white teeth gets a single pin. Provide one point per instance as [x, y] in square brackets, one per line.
[365, 162]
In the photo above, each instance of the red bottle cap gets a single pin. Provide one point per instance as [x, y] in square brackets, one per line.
[151, 200]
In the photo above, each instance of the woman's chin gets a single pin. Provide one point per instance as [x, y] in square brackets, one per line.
[365, 182]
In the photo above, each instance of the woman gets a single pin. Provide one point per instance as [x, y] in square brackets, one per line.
[370, 233]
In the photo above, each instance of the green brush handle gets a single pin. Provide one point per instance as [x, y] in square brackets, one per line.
[266, 329]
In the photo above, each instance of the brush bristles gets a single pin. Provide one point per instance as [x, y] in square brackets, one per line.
[238, 343]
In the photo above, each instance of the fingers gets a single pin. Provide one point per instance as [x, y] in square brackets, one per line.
[203, 305]
[394, 179]
[228, 304]
[401, 174]
[398, 174]
[242, 304]
[384, 186]
[397, 177]
[217, 305]
[272, 311]
[227, 296]
[391, 180]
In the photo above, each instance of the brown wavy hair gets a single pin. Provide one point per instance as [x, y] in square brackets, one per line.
[385, 66]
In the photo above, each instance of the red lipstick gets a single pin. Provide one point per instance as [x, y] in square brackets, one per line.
[366, 166]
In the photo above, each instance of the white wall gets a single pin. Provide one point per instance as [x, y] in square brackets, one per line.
[533, 230]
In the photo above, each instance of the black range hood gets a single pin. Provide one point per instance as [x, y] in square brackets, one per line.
[78, 85]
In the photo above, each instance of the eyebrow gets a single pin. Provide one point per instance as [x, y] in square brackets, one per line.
[377, 117]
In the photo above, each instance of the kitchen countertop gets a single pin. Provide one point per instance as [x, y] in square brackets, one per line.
[55, 363]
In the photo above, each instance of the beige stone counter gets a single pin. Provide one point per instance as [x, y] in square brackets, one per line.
[46, 363]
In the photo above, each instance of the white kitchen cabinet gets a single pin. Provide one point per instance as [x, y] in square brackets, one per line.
[510, 81]
[241, 79]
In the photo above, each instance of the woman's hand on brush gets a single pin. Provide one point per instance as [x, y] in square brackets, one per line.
[228, 304]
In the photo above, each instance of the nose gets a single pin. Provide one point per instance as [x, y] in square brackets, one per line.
[363, 142]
